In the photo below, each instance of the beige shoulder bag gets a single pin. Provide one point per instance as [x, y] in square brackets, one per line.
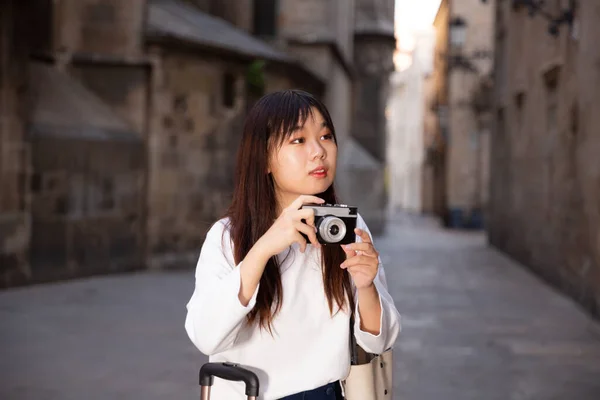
[370, 376]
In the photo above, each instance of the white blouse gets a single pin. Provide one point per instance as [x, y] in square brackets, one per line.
[309, 348]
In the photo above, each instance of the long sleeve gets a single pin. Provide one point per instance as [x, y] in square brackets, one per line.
[389, 325]
[214, 312]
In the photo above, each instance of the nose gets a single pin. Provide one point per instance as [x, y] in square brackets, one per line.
[317, 151]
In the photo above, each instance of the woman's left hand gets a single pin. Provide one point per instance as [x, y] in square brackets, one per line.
[362, 260]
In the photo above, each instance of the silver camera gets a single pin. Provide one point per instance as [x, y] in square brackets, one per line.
[335, 223]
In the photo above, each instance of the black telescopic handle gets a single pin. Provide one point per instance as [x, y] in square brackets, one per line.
[230, 372]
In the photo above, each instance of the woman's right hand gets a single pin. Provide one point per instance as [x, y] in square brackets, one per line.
[287, 227]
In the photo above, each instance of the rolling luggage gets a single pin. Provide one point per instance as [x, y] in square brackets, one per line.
[230, 372]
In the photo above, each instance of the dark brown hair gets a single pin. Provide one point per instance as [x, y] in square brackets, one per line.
[254, 205]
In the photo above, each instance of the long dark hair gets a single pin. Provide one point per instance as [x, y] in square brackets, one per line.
[254, 205]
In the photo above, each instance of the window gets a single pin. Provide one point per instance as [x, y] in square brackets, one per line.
[89, 196]
[500, 128]
[551, 109]
[265, 17]
[519, 105]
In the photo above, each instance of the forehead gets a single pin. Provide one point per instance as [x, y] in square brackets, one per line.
[314, 117]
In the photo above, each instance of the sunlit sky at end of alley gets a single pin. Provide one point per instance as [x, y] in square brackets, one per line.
[411, 16]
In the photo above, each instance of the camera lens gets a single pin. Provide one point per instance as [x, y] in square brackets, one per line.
[331, 229]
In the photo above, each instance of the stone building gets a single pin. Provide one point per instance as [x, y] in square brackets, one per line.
[350, 45]
[468, 141]
[435, 124]
[199, 101]
[374, 45]
[545, 182]
[458, 127]
[405, 145]
[119, 121]
[15, 153]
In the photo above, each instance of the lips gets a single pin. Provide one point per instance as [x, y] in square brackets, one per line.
[319, 172]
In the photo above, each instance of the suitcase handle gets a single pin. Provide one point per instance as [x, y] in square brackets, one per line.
[230, 372]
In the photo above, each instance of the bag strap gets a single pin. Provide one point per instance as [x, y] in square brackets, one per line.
[353, 345]
[358, 355]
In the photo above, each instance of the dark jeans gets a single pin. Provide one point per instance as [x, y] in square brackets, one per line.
[331, 391]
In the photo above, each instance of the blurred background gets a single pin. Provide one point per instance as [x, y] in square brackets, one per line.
[468, 133]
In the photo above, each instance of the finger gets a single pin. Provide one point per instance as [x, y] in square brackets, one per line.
[359, 260]
[301, 241]
[308, 231]
[365, 248]
[349, 253]
[305, 199]
[363, 235]
[307, 214]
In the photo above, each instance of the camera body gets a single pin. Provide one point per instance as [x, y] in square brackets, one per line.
[335, 223]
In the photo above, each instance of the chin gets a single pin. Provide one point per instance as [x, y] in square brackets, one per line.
[316, 189]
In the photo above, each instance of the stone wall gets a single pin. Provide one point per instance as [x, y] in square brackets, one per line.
[14, 150]
[373, 61]
[374, 45]
[435, 125]
[297, 19]
[545, 183]
[87, 207]
[193, 139]
[466, 140]
[108, 27]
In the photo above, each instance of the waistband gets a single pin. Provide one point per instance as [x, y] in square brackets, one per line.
[330, 391]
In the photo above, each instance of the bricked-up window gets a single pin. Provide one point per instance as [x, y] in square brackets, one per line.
[500, 128]
[228, 90]
[90, 196]
[551, 77]
[519, 105]
[265, 14]
[574, 30]
[551, 109]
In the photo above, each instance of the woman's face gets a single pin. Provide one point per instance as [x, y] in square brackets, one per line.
[305, 163]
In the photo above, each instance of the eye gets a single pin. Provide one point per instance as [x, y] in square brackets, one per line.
[299, 140]
[328, 136]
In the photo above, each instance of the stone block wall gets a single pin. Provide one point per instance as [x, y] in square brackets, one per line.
[545, 181]
[373, 60]
[436, 100]
[195, 130]
[300, 18]
[108, 27]
[466, 181]
[15, 224]
[87, 207]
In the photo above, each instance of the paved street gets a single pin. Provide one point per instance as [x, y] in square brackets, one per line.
[476, 326]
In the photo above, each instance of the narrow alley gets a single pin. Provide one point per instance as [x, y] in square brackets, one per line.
[475, 326]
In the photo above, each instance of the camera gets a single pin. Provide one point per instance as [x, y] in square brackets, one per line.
[335, 223]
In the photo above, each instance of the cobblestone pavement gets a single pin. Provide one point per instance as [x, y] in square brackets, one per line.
[476, 326]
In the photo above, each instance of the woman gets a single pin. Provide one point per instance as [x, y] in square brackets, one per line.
[267, 299]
